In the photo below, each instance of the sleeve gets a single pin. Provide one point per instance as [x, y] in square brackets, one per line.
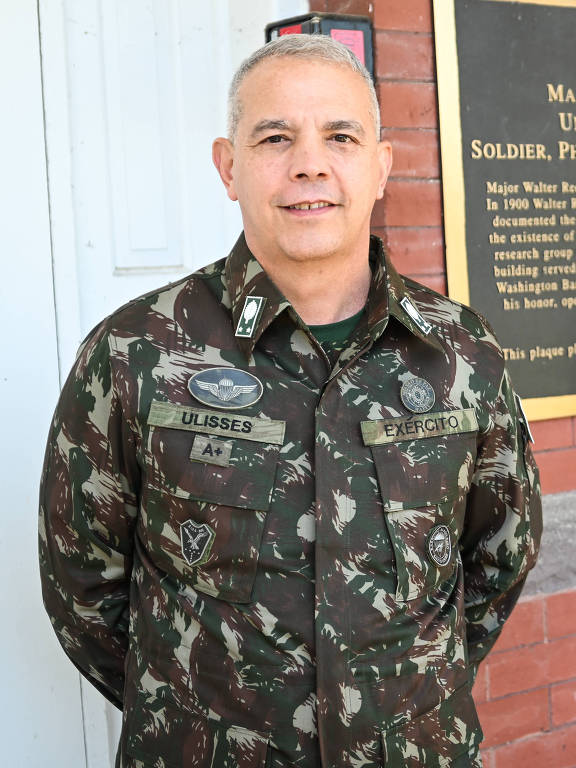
[88, 505]
[503, 526]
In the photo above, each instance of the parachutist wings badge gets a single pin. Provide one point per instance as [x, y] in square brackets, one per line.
[225, 387]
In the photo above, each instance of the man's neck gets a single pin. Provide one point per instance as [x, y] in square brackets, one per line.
[322, 291]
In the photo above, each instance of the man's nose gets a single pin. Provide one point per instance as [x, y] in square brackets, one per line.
[309, 159]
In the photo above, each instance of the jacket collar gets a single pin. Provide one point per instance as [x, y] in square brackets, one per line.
[245, 277]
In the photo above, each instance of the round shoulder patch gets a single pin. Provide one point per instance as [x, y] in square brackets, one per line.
[440, 545]
[417, 395]
[225, 388]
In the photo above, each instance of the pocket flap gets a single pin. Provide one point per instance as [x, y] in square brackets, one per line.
[223, 424]
[424, 473]
[244, 477]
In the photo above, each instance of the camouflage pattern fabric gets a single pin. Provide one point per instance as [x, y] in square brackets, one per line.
[324, 594]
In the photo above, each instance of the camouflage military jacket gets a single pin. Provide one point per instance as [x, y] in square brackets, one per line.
[297, 567]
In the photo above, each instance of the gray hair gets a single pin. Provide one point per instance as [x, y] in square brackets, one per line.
[308, 47]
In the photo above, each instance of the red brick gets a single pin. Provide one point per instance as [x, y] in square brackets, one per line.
[415, 152]
[525, 626]
[415, 15]
[416, 250]
[563, 701]
[409, 204]
[360, 7]
[555, 433]
[548, 750]
[488, 758]
[522, 669]
[408, 105]
[404, 56]
[561, 614]
[513, 717]
[480, 689]
[557, 470]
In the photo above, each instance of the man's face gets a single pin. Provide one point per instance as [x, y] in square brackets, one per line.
[306, 165]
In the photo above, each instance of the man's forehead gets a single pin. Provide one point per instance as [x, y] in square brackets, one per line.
[273, 104]
[286, 65]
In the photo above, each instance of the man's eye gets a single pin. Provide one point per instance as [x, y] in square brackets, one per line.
[276, 139]
[342, 138]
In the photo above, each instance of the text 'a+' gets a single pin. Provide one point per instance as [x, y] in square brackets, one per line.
[209, 451]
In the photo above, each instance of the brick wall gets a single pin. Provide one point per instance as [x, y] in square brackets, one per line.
[409, 218]
[526, 689]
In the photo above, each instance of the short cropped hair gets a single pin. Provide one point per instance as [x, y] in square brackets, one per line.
[306, 47]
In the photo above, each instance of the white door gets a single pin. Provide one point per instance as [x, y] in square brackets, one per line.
[134, 93]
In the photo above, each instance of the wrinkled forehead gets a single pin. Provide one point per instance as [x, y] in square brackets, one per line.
[275, 86]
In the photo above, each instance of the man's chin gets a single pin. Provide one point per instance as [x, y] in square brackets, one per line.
[311, 249]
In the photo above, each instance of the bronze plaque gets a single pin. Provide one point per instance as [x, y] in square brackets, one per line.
[507, 96]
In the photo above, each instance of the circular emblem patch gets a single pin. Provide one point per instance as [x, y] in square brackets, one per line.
[440, 545]
[225, 388]
[417, 395]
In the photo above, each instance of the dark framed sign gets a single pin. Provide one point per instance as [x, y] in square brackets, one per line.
[507, 101]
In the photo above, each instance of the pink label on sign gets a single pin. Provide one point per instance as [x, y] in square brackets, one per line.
[351, 38]
[295, 29]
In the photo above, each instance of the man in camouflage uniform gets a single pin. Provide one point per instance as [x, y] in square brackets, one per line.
[271, 550]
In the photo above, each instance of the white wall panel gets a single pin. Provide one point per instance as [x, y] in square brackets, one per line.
[140, 61]
[40, 709]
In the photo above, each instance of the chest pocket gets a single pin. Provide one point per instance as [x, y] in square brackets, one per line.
[423, 482]
[205, 503]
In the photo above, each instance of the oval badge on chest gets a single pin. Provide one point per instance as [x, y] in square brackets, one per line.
[225, 388]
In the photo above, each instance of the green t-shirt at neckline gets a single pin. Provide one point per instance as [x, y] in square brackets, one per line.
[334, 336]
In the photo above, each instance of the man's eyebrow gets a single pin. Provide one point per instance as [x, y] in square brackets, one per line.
[282, 125]
[269, 125]
[345, 125]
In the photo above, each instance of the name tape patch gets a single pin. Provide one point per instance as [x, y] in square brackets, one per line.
[397, 430]
[211, 450]
[235, 425]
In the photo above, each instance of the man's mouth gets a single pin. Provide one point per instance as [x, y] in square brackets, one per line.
[308, 206]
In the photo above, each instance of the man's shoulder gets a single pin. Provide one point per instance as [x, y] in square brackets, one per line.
[168, 304]
[164, 299]
[449, 316]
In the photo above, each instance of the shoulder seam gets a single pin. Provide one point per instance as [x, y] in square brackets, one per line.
[106, 322]
[442, 296]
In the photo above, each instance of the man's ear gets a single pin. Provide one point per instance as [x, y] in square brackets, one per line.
[223, 159]
[385, 164]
